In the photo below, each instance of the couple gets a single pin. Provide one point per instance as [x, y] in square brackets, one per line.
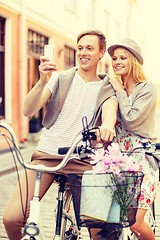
[123, 107]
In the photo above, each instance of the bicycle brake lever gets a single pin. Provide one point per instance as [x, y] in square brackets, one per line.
[149, 147]
[85, 152]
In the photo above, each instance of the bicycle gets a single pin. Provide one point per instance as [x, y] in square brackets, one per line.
[65, 196]
[31, 229]
[150, 218]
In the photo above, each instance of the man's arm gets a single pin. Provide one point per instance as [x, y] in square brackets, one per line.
[36, 99]
[39, 94]
[109, 117]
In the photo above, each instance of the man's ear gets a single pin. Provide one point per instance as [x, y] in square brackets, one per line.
[102, 52]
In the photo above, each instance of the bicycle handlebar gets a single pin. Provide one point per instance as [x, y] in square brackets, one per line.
[67, 150]
[79, 149]
[157, 146]
[64, 150]
[39, 167]
[65, 160]
[148, 147]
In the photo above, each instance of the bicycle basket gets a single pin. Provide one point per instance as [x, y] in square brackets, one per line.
[105, 200]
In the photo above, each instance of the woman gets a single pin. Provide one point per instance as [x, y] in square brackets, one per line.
[135, 121]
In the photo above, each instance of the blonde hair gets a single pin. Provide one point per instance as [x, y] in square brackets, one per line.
[135, 68]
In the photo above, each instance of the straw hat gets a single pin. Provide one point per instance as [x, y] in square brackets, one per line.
[129, 45]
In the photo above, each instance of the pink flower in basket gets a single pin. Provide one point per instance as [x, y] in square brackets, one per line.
[112, 160]
[121, 165]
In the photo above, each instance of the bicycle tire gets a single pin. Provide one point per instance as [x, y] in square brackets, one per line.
[126, 234]
[69, 229]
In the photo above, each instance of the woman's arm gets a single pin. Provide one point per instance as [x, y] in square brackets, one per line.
[138, 116]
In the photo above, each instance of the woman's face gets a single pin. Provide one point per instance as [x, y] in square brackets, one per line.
[120, 62]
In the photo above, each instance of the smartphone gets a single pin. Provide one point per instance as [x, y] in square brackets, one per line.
[49, 52]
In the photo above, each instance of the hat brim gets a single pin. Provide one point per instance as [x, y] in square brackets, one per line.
[113, 47]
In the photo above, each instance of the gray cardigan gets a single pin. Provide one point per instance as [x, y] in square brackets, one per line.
[60, 92]
[140, 116]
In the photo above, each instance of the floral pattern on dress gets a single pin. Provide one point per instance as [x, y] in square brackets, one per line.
[127, 141]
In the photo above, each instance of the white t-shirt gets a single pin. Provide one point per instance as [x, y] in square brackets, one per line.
[80, 101]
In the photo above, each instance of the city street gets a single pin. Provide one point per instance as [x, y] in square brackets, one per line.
[91, 37]
[8, 182]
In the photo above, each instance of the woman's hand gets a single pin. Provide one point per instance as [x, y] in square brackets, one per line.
[116, 84]
[46, 68]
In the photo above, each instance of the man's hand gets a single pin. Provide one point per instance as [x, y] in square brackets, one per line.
[46, 68]
[106, 131]
[105, 134]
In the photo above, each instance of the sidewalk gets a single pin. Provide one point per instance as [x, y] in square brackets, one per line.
[7, 163]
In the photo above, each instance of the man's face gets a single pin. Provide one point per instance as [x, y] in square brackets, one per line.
[88, 53]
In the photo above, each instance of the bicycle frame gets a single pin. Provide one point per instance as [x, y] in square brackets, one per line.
[74, 230]
[31, 229]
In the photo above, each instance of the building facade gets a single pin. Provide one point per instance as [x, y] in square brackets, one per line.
[26, 26]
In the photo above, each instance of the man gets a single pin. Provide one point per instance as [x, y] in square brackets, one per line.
[70, 95]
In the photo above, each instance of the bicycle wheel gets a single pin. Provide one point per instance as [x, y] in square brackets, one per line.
[69, 229]
[149, 218]
[126, 234]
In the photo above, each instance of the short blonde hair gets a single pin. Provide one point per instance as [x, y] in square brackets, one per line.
[99, 34]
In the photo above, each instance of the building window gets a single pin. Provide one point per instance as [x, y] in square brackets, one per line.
[107, 24]
[70, 57]
[90, 13]
[36, 42]
[117, 29]
[2, 67]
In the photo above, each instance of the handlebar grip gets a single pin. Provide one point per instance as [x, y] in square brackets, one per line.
[157, 145]
[63, 150]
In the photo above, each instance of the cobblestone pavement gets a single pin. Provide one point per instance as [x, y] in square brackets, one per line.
[8, 182]
[47, 213]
